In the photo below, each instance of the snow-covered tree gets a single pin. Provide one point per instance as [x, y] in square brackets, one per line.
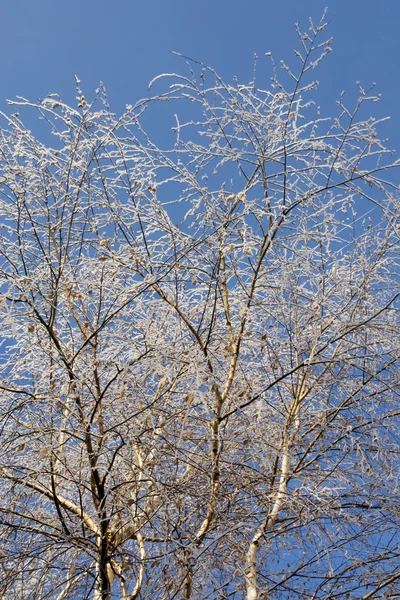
[200, 360]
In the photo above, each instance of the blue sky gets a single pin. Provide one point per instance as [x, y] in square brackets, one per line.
[125, 43]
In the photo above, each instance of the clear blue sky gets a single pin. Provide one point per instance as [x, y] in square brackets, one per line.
[125, 43]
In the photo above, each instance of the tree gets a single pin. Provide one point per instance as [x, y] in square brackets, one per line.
[200, 363]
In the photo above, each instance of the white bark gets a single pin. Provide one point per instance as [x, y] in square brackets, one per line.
[251, 556]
